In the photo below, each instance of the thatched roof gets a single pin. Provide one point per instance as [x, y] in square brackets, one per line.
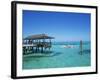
[39, 36]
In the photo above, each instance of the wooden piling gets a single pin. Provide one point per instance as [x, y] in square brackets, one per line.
[81, 46]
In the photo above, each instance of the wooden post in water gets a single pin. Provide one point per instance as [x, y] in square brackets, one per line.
[42, 45]
[81, 46]
[49, 44]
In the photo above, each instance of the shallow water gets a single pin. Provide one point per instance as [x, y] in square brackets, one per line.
[63, 57]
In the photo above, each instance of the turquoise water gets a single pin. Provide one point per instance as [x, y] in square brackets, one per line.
[63, 57]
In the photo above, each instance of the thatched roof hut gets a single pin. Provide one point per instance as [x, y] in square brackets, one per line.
[38, 36]
[35, 42]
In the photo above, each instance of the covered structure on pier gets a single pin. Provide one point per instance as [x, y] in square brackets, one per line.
[37, 43]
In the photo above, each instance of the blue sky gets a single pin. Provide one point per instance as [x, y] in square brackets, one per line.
[64, 26]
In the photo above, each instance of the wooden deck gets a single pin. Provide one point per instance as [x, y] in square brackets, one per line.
[36, 48]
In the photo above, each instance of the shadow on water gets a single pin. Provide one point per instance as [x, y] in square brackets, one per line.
[45, 55]
[57, 53]
[52, 52]
[88, 51]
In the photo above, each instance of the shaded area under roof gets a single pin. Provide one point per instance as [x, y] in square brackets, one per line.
[38, 36]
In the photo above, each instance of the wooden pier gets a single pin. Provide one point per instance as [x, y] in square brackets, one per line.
[37, 43]
[81, 47]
